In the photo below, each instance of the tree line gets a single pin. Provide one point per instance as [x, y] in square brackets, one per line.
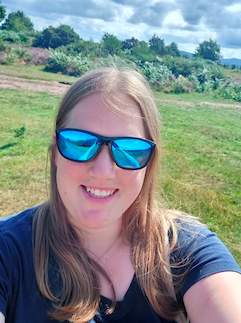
[64, 35]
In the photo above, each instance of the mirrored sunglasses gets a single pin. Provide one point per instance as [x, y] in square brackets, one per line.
[83, 146]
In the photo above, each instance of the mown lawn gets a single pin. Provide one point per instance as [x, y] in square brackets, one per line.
[201, 162]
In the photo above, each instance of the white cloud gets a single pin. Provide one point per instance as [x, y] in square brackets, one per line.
[174, 18]
[234, 8]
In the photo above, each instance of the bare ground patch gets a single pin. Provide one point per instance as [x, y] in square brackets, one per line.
[51, 87]
[57, 88]
[191, 104]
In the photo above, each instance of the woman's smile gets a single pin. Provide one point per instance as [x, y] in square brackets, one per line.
[99, 195]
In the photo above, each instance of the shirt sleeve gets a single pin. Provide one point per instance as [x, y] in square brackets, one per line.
[201, 253]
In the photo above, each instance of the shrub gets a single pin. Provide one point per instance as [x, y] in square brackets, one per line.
[10, 58]
[181, 85]
[143, 53]
[68, 64]
[3, 45]
[86, 48]
[156, 74]
[231, 91]
[20, 38]
[39, 56]
[111, 45]
[54, 37]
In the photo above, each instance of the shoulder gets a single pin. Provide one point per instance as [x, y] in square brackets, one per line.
[17, 220]
[16, 232]
[200, 253]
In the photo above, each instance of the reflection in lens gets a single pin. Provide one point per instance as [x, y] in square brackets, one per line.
[131, 153]
[78, 146]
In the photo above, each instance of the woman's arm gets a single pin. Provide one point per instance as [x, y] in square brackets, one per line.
[215, 299]
[2, 318]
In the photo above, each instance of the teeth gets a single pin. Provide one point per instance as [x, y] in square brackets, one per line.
[98, 193]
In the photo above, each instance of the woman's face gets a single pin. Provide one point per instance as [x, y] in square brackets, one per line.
[86, 208]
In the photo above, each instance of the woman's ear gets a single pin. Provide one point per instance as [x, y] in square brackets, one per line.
[54, 138]
[56, 150]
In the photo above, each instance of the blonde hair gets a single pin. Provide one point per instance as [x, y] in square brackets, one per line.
[146, 227]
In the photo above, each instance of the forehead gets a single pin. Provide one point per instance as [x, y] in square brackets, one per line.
[119, 116]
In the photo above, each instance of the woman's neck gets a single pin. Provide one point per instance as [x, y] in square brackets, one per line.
[102, 241]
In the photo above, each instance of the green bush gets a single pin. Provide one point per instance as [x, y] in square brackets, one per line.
[111, 45]
[156, 74]
[54, 37]
[10, 58]
[143, 53]
[86, 48]
[20, 38]
[69, 64]
[12, 54]
[3, 45]
[231, 91]
[17, 21]
[181, 85]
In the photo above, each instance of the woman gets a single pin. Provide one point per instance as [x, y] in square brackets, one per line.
[101, 249]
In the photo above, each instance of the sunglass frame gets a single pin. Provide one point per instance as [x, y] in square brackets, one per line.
[108, 141]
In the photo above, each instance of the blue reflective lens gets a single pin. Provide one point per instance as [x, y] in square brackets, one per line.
[82, 146]
[131, 153]
[77, 146]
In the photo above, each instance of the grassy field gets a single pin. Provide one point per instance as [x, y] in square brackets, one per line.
[196, 97]
[201, 166]
[232, 73]
[201, 162]
[23, 161]
[34, 72]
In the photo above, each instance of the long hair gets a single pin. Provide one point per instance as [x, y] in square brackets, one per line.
[146, 226]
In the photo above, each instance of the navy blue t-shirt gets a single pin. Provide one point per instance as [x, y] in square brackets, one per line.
[22, 302]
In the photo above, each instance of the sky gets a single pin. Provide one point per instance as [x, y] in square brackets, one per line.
[186, 22]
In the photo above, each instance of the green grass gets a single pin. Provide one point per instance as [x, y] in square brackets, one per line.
[195, 97]
[23, 161]
[34, 72]
[200, 168]
[232, 73]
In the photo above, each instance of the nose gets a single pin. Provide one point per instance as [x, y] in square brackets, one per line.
[103, 166]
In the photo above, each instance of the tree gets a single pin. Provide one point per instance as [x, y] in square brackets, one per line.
[157, 45]
[130, 43]
[209, 49]
[85, 47]
[55, 37]
[111, 44]
[17, 21]
[173, 50]
[2, 12]
[143, 53]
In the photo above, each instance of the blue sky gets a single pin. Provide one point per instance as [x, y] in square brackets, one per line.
[186, 22]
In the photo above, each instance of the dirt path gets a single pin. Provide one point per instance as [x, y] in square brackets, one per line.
[57, 88]
[191, 104]
[51, 87]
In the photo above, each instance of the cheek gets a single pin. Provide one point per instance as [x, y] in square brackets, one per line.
[135, 180]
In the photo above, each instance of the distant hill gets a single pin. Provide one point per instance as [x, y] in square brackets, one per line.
[186, 53]
[231, 61]
[224, 61]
